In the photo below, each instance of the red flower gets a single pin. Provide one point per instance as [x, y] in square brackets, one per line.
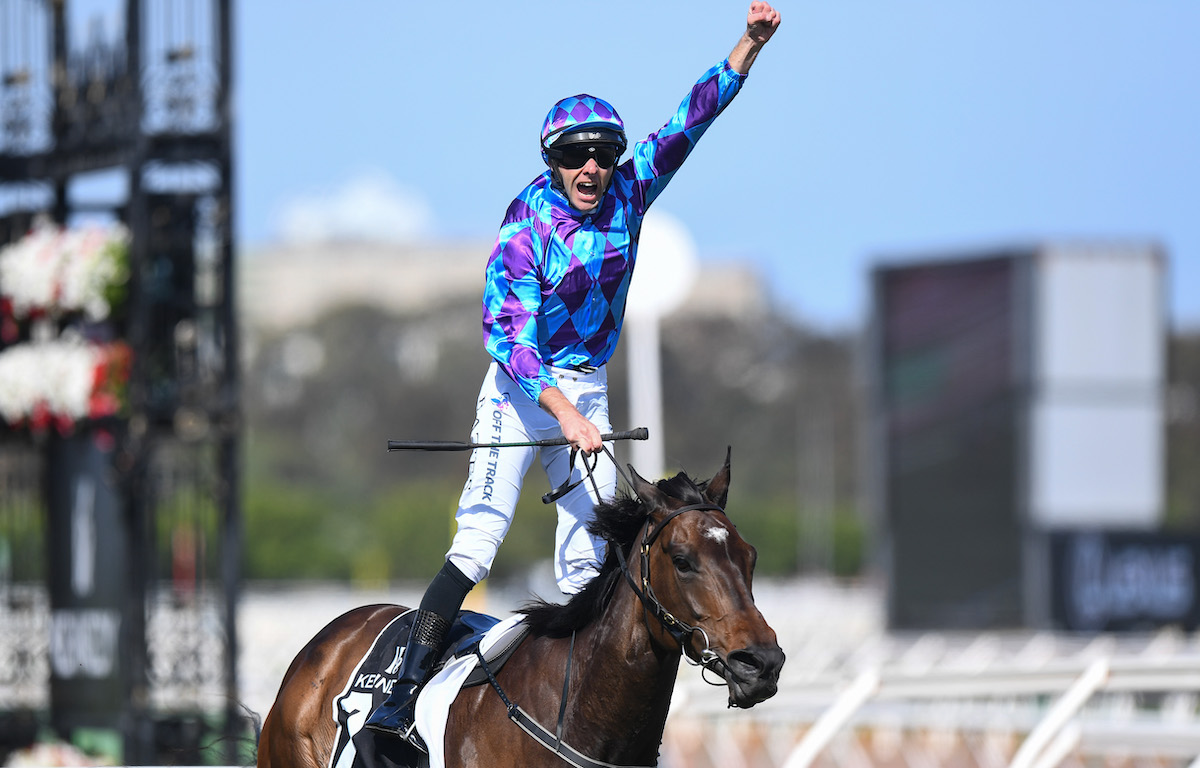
[103, 404]
[40, 419]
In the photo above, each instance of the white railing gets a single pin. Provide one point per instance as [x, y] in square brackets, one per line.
[1018, 700]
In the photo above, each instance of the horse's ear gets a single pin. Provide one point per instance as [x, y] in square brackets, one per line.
[645, 490]
[717, 489]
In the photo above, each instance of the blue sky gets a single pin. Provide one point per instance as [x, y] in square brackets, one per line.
[867, 129]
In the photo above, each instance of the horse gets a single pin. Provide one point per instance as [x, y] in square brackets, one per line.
[596, 672]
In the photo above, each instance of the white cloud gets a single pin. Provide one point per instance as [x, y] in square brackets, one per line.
[370, 206]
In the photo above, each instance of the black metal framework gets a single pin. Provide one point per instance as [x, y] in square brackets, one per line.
[136, 125]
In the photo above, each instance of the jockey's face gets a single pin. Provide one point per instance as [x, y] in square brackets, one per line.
[584, 186]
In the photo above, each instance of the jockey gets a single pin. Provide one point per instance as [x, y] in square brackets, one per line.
[553, 306]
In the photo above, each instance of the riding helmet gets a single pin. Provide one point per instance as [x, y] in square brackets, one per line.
[582, 119]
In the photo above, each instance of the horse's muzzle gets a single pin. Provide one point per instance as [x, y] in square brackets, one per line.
[753, 674]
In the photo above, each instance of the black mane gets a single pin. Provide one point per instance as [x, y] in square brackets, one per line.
[618, 523]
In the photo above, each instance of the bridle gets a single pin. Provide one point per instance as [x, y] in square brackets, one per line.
[680, 630]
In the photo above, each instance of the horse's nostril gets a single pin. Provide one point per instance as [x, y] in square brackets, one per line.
[746, 661]
[756, 662]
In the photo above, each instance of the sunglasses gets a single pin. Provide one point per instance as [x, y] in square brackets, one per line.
[577, 156]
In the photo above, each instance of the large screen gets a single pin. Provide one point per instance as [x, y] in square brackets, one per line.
[947, 360]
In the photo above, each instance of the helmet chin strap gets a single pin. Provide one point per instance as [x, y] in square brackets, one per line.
[556, 178]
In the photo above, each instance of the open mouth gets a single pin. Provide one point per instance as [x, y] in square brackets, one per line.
[746, 693]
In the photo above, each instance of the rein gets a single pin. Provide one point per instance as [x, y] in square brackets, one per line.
[567, 486]
[680, 630]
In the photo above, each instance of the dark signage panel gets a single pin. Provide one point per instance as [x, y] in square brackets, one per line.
[88, 585]
[949, 411]
[1112, 581]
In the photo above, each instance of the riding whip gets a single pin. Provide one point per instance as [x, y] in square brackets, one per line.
[641, 433]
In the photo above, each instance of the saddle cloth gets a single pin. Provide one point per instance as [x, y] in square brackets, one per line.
[375, 674]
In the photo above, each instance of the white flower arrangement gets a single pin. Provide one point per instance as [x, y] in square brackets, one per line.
[50, 278]
[56, 271]
[55, 377]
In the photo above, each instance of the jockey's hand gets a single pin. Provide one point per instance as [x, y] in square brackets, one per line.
[761, 21]
[579, 432]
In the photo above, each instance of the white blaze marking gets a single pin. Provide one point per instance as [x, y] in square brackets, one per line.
[716, 534]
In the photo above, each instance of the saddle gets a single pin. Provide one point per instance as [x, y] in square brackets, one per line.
[465, 635]
[372, 679]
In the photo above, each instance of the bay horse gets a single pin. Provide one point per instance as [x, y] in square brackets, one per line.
[676, 581]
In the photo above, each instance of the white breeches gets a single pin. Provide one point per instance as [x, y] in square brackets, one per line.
[505, 414]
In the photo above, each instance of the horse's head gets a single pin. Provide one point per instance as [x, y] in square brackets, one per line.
[697, 568]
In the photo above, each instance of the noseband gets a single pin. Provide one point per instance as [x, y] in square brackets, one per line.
[680, 630]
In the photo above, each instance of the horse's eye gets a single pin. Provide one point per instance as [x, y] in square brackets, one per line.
[682, 564]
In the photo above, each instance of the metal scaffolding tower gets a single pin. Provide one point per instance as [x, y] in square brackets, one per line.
[135, 124]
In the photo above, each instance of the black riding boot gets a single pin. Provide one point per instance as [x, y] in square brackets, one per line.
[396, 715]
[439, 606]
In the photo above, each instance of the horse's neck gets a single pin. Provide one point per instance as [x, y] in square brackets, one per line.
[628, 681]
